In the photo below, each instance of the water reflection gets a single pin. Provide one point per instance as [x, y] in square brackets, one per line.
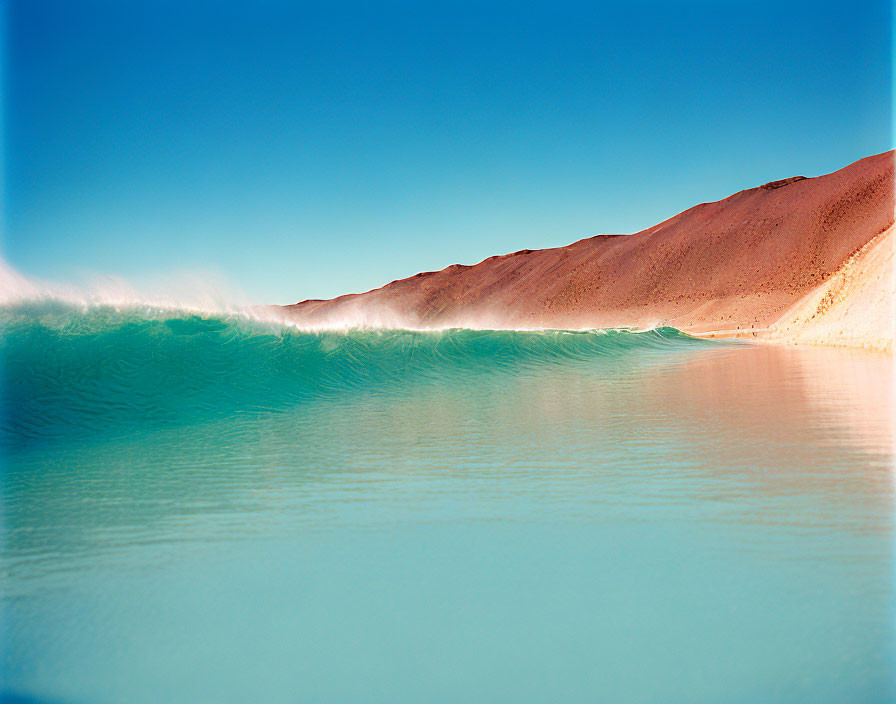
[744, 432]
[701, 525]
[843, 395]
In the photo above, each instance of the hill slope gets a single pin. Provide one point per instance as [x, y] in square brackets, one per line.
[736, 264]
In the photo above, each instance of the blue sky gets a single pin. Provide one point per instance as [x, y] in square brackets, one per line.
[311, 149]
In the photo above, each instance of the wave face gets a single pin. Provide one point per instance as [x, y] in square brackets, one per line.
[75, 371]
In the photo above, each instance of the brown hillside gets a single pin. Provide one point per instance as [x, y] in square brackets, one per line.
[736, 263]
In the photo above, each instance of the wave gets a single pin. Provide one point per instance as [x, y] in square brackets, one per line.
[74, 371]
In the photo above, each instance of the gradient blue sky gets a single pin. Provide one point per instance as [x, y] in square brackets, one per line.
[311, 149]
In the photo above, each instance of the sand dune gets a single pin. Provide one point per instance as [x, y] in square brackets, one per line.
[854, 307]
[744, 264]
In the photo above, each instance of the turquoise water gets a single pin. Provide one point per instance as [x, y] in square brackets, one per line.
[211, 509]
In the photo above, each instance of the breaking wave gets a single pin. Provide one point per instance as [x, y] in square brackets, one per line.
[70, 369]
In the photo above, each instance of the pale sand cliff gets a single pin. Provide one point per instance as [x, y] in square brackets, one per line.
[854, 308]
[802, 259]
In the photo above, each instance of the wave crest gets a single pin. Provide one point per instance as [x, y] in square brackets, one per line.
[70, 371]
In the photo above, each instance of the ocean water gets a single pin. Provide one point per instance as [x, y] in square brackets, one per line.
[207, 508]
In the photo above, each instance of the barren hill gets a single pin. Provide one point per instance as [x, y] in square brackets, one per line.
[736, 264]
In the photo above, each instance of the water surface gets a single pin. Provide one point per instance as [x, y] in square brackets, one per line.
[213, 509]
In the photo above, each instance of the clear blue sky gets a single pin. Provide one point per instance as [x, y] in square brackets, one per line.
[311, 149]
